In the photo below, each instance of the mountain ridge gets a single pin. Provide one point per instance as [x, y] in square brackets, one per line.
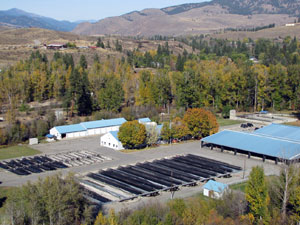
[19, 18]
[243, 7]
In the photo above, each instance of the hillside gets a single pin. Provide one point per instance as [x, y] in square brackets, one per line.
[17, 44]
[19, 18]
[244, 7]
[272, 33]
[29, 36]
[197, 18]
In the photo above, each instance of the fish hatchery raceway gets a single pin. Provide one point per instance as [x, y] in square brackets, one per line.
[126, 180]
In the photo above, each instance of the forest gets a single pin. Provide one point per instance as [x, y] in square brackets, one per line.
[217, 76]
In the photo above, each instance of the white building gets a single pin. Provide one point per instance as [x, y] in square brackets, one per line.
[147, 122]
[87, 128]
[214, 189]
[111, 140]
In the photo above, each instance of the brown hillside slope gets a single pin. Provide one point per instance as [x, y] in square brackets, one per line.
[26, 36]
[272, 33]
[18, 44]
[201, 20]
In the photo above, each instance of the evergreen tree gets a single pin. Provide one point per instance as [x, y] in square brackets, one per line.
[257, 196]
[79, 96]
[99, 43]
[68, 61]
[111, 95]
[83, 63]
[167, 132]
[180, 63]
[118, 46]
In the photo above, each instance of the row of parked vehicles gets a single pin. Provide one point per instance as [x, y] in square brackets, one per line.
[246, 125]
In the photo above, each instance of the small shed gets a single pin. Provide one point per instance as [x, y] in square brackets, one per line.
[111, 140]
[33, 141]
[214, 189]
[50, 137]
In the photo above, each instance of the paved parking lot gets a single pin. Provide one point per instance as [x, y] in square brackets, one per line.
[119, 158]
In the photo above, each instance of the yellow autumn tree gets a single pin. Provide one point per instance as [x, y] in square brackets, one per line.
[132, 134]
[201, 122]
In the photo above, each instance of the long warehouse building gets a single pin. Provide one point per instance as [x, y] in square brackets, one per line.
[276, 142]
[87, 128]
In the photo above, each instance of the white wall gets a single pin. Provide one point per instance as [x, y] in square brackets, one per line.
[206, 192]
[76, 134]
[216, 194]
[89, 132]
[109, 141]
[54, 132]
[103, 130]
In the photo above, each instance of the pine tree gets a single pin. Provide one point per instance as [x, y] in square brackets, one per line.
[100, 44]
[83, 63]
[257, 195]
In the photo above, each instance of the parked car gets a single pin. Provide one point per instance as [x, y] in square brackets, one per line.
[244, 125]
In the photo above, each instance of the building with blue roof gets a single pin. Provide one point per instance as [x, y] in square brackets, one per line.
[214, 189]
[276, 142]
[144, 120]
[111, 140]
[280, 131]
[87, 128]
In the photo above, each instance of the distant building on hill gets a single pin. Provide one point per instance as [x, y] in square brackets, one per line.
[290, 25]
[56, 46]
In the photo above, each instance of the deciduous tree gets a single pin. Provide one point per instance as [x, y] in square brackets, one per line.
[132, 134]
[201, 123]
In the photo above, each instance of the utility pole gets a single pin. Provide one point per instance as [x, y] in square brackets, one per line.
[170, 127]
[244, 169]
[172, 189]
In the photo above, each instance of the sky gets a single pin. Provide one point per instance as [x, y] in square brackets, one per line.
[74, 10]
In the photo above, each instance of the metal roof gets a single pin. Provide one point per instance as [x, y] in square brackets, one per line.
[50, 136]
[90, 125]
[70, 128]
[281, 131]
[256, 143]
[215, 186]
[144, 120]
[103, 123]
[159, 128]
[115, 135]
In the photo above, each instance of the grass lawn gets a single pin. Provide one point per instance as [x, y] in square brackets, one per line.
[226, 122]
[17, 151]
[297, 123]
[240, 186]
